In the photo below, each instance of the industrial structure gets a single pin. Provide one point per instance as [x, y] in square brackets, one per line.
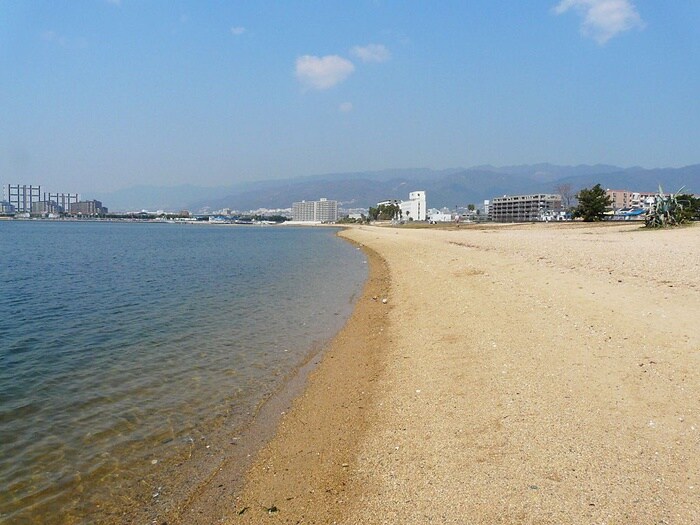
[22, 196]
[27, 200]
[63, 200]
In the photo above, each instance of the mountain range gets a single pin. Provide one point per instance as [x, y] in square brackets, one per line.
[444, 188]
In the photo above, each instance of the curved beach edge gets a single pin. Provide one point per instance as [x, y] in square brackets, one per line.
[304, 469]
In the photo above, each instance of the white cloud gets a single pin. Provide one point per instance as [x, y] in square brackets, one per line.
[345, 107]
[323, 72]
[603, 19]
[237, 30]
[118, 3]
[371, 53]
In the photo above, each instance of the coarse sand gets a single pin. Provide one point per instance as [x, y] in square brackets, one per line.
[528, 374]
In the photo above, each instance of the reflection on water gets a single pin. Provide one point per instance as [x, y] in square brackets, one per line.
[123, 344]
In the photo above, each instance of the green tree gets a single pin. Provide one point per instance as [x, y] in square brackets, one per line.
[385, 212]
[592, 203]
[691, 206]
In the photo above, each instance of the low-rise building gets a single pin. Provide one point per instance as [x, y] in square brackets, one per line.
[523, 208]
[435, 215]
[6, 208]
[46, 208]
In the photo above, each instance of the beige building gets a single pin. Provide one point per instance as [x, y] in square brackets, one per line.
[630, 199]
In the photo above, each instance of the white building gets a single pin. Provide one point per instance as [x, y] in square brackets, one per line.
[414, 208]
[321, 210]
[435, 215]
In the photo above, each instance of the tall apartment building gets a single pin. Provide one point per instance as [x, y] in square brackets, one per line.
[321, 210]
[22, 196]
[523, 208]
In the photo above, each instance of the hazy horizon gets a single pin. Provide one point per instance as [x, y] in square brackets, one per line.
[102, 95]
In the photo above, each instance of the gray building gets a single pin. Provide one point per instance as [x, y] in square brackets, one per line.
[523, 208]
[321, 210]
[45, 208]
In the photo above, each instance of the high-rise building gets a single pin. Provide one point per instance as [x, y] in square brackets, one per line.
[321, 210]
[21, 196]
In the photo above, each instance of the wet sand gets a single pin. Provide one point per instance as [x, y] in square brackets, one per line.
[517, 374]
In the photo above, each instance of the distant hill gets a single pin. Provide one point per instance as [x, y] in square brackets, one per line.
[152, 198]
[445, 188]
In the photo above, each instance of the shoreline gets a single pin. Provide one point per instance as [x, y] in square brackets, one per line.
[167, 470]
[525, 375]
[336, 367]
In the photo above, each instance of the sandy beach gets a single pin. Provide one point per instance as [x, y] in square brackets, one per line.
[514, 374]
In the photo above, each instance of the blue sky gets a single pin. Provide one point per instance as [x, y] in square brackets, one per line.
[97, 95]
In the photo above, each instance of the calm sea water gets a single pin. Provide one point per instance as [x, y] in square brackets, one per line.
[121, 342]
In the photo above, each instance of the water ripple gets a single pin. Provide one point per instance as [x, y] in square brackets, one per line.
[118, 339]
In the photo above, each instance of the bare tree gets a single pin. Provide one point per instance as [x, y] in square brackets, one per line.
[567, 193]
